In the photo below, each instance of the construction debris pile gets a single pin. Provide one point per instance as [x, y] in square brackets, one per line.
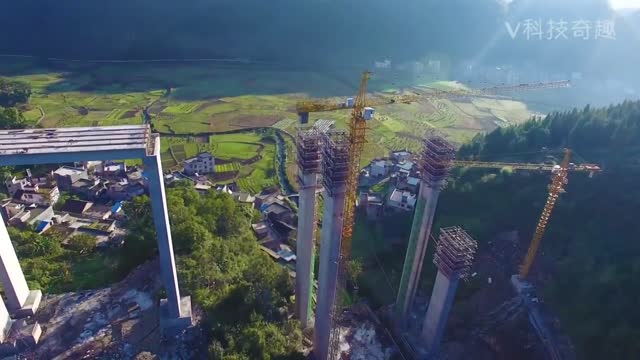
[118, 322]
[362, 338]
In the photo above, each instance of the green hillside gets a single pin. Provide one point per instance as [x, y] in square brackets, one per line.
[589, 259]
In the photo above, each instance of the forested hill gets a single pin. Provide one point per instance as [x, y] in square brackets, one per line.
[589, 262]
[609, 136]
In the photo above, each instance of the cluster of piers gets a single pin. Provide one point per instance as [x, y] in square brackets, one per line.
[323, 159]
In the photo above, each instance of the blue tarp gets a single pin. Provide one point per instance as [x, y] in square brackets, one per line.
[41, 225]
[116, 207]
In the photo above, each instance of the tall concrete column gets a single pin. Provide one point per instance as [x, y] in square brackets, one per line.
[435, 161]
[328, 271]
[5, 321]
[444, 292]
[22, 302]
[305, 247]
[175, 310]
[416, 250]
[453, 258]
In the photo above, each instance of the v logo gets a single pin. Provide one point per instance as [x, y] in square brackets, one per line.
[513, 32]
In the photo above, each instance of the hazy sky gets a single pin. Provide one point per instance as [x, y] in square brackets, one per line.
[625, 4]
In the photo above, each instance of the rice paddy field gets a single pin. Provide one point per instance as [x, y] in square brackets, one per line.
[193, 105]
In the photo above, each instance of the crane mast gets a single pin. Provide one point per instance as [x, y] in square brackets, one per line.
[560, 179]
[357, 139]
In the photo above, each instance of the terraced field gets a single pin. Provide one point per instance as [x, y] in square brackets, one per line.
[193, 99]
[228, 167]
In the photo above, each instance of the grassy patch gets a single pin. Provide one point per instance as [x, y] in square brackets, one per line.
[380, 187]
[95, 271]
[32, 115]
[235, 146]
[229, 150]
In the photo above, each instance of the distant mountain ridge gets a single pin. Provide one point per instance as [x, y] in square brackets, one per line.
[332, 32]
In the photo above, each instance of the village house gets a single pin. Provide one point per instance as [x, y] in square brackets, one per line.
[379, 168]
[410, 184]
[123, 190]
[111, 168]
[405, 168]
[202, 188]
[401, 156]
[401, 200]
[21, 215]
[90, 189]
[44, 195]
[76, 207]
[278, 211]
[32, 190]
[203, 163]
[66, 176]
[261, 229]
[244, 198]
[14, 185]
[87, 209]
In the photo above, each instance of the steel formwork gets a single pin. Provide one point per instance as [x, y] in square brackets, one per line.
[454, 252]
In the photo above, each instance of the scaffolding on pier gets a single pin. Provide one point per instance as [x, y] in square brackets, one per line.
[309, 152]
[455, 252]
[437, 157]
[335, 160]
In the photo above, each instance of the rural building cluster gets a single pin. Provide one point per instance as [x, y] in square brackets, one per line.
[82, 199]
[399, 178]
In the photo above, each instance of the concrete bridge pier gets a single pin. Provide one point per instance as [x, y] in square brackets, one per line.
[22, 302]
[175, 311]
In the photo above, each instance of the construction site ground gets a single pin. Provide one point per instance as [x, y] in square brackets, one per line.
[118, 322]
[491, 323]
[363, 336]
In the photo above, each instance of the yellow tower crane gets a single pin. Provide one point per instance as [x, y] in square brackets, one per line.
[560, 179]
[357, 139]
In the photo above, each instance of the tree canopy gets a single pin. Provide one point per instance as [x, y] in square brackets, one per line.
[13, 92]
[245, 294]
[11, 118]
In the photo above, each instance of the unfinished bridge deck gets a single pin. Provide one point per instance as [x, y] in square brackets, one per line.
[35, 146]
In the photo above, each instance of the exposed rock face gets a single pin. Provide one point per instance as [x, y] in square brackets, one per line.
[119, 322]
